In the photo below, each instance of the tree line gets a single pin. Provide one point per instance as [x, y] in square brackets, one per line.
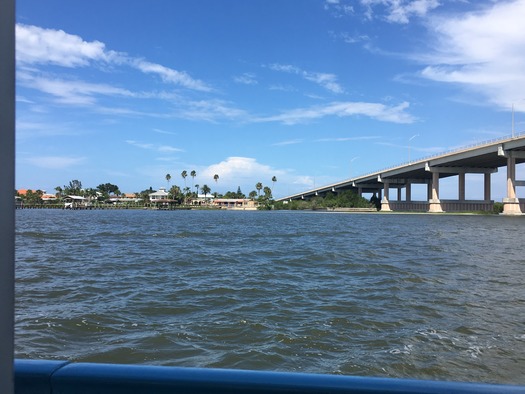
[178, 195]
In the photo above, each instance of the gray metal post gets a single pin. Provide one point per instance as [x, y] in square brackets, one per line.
[7, 186]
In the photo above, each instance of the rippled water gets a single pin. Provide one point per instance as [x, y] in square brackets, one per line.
[422, 296]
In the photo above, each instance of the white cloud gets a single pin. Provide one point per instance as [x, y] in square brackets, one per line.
[246, 79]
[71, 91]
[39, 46]
[399, 11]
[35, 45]
[239, 171]
[289, 142]
[325, 80]
[154, 147]
[169, 75]
[482, 51]
[210, 111]
[344, 139]
[55, 162]
[382, 112]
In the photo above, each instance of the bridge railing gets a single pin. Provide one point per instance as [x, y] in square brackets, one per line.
[39, 377]
[448, 152]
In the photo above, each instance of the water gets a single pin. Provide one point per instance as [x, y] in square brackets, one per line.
[420, 296]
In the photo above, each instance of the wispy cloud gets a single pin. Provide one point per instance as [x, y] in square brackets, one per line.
[325, 80]
[288, 142]
[483, 52]
[246, 79]
[382, 112]
[344, 139]
[55, 162]
[398, 11]
[71, 92]
[154, 147]
[211, 110]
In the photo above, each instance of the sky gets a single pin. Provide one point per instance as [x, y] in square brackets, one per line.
[312, 92]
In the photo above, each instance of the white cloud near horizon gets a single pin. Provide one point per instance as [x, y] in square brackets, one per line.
[241, 169]
[483, 52]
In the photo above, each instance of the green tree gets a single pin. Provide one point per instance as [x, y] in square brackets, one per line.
[267, 192]
[197, 190]
[107, 189]
[33, 197]
[259, 187]
[175, 193]
[168, 178]
[252, 194]
[186, 192]
[184, 174]
[216, 178]
[239, 193]
[59, 192]
[274, 179]
[74, 188]
[193, 174]
[205, 189]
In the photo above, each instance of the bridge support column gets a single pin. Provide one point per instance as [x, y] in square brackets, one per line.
[487, 187]
[408, 192]
[398, 194]
[461, 186]
[434, 205]
[385, 204]
[511, 204]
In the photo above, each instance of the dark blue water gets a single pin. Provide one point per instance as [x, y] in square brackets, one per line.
[421, 296]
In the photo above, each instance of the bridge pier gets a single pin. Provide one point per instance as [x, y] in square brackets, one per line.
[385, 204]
[511, 204]
[461, 186]
[434, 205]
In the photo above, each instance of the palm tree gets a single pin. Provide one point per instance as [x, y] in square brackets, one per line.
[216, 178]
[252, 194]
[184, 174]
[193, 174]
[197, 190]
[168, 178]
[274, 179]
[259, 187]
[186, 192]
[267, 192]
[59, 192]
[205, 189]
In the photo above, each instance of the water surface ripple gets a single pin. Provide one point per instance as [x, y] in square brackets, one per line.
[420, 296]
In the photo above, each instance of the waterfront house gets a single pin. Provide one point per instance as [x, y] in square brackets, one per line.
[74, 202]
[235, 203]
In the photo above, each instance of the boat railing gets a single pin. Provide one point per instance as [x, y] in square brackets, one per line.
[40, 376]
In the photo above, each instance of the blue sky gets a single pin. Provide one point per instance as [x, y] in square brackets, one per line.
[310, 91]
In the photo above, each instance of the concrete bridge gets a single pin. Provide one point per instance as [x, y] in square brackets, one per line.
[484, 158]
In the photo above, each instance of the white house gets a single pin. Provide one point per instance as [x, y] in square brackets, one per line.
[160, 195]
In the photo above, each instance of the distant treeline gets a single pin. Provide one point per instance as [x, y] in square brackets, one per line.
[346, 199]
